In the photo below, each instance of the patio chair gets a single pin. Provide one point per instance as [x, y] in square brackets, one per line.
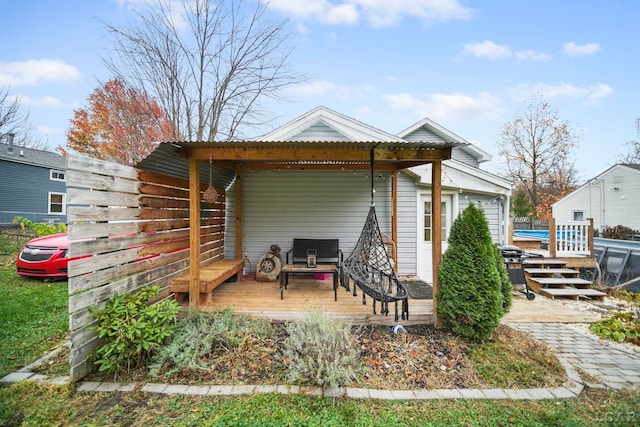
[370, 268]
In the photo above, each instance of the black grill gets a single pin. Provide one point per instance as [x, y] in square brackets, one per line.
[37, 257]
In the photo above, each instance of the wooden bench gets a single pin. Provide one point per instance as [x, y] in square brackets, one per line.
[327, 251]
[212, 274]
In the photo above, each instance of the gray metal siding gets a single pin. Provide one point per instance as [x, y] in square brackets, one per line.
[423, 134]
[407, 224]
[319, 132]
[458, 153]
[24, 191]
[282, 205]
[491, 207]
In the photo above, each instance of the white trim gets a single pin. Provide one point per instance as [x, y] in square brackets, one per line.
[59, 172]
[64, 203]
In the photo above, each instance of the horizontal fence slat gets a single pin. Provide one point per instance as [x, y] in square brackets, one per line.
[81, 196]
[84, 179]
[101, 167]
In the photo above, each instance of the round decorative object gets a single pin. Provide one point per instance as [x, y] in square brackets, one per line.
[210, 195]
[268, 268]
[267, 265]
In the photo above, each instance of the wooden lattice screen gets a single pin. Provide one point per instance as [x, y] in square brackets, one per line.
[129, 229]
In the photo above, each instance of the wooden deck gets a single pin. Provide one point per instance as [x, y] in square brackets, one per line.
[305, 294]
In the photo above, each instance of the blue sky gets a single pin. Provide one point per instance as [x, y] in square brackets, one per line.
[468, 65]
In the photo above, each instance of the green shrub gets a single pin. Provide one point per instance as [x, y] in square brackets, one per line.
[200, 334]
[132, 329]
[619, 327]
[470, 298]
[40, 228]
[321, 351]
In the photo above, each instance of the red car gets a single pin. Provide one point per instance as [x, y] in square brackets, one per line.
[44, 257]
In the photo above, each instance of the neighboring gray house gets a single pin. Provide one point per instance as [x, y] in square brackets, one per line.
[611, 198]
[32, 186]
[334, 204]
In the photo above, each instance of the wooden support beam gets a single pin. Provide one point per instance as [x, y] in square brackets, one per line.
[194, 234]
[312, 153]
[436, 229]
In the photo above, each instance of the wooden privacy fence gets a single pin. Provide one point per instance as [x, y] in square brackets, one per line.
[128, 229]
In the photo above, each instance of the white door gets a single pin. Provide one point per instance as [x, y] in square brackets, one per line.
[425, 213]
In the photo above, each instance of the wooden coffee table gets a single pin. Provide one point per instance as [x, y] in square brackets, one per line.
[288, 269]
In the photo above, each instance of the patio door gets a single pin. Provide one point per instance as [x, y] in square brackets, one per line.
[425, 233]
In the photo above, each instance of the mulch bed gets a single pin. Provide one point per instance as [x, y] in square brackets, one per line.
[422, 358]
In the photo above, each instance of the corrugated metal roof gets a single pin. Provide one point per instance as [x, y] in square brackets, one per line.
[362, 145]
[167, 159]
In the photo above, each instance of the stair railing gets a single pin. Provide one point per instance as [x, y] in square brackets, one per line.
[571, 238]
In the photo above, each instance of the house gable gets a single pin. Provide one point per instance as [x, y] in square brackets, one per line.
[324, 124]
[611, 198]
[428, 130]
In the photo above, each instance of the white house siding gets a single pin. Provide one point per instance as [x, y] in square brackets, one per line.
[407, 220]
[491, 205]
[612, 198]
[279, 206]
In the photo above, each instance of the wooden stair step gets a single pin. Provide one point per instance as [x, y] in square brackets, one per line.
[551, 271]
[544, 262]
[572, 293]
[573, 281]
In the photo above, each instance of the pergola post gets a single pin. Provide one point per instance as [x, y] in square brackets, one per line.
[436, 229]
[194, 234]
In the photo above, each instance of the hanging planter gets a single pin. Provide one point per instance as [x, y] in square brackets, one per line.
[210, 195]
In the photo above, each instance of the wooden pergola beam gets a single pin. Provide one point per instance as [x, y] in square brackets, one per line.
[313, 154]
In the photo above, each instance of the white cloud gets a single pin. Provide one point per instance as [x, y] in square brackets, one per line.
[378, 13]
[35, 71]
[487, 49]
[573, 50]
[590, 95]
[320, 88]
[531, 55]
[449, 107]
[44, 101]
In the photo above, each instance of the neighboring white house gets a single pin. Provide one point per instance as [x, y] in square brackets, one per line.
[334, 204]
[611, 198]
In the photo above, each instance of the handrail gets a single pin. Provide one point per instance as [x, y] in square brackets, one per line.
[569, 238]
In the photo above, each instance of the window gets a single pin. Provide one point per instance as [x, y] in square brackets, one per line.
[578, 215]
[427, 221]
[56, 175]
[57, 203]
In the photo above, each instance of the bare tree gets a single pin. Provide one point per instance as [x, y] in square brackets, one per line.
[633, 155]
[208, 64]
[536, 147]
[14, 121]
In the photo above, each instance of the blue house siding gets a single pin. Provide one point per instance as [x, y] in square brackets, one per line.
[26, 184]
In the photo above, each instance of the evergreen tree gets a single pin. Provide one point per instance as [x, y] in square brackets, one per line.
[471, 297]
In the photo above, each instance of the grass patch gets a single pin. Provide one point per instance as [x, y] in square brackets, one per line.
[512, 359]
[34, 318]
[32, 404]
